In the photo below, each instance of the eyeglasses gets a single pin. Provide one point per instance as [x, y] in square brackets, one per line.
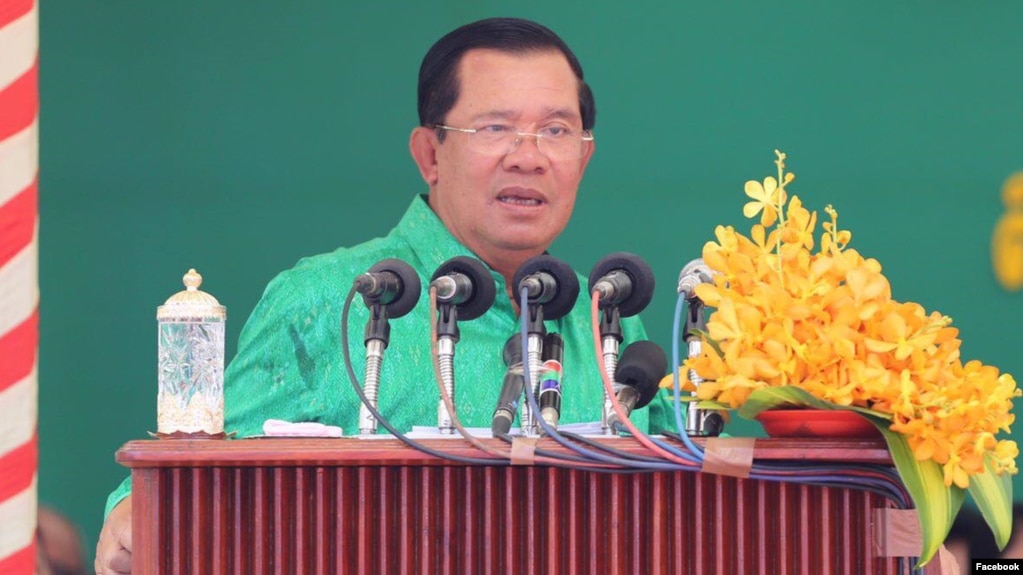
[557, 142]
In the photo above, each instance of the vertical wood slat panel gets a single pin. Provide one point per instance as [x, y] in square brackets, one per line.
[301, 524]
[180, 497]
[346, 510]
[406, 540]
[574, 521]
[447, 524]
[470, 553]
[385, 520]
[513, 500]
[803, 535]
[528, 536]
[199, 558]
[362, 523]
[551, 513]
[762, 527]
[496, 520]
[489, 531]
[424, 550]
[219, 519]
[593, 538]
[240, 545]
[280, 542]
[322, 522]
[825, 520]
[262, 544]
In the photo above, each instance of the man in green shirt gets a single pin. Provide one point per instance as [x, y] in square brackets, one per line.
[503, 142]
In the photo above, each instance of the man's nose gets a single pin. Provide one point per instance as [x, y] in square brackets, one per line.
[526, 155]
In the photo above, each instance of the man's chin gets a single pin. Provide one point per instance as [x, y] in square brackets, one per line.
[527, 246]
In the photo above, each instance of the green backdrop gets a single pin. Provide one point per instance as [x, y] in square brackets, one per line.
[236, 137]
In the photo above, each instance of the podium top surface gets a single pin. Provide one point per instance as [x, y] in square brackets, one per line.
[386, 451]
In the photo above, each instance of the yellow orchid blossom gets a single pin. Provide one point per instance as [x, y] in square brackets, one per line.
[794, 311]
[765, 200]
[815, 318]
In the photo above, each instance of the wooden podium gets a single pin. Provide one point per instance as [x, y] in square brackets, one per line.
[261, 506]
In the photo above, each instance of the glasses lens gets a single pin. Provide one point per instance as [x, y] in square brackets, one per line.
[493, 141]
[564, 144]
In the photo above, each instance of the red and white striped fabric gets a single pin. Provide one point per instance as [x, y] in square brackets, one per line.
[19, 283]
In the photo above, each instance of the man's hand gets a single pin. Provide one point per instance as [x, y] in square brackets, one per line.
[113, 552]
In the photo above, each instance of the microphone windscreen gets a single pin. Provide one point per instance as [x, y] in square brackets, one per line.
[564, 298]
[411, 286]
[638, 271]
[642, 365]
[483, 287]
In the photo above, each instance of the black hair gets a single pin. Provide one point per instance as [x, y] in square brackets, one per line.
[438, 74]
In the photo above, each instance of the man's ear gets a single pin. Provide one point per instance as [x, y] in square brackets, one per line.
[586, 158]
[423, 145]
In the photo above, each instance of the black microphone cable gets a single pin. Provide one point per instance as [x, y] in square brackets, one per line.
[607, 448]
[881, 483]
[379, 417]
[449, 403]
[668, 453]
[553, 433]
[545, 456]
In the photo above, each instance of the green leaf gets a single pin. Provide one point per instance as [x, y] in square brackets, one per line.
[993, 495]
[936, 504]
[775, 397]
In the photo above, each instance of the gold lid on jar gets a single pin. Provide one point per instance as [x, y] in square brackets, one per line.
[192, 304]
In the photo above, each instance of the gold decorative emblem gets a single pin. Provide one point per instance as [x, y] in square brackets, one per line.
[1007, 239]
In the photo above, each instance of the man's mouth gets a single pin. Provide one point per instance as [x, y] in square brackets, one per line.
[515, 199]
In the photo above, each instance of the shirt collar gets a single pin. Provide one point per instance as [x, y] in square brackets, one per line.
[429, 239]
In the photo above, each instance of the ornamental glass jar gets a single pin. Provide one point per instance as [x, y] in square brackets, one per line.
[190, 398]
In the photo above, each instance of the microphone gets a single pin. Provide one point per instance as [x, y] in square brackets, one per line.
[549, 282]
[511, 389]
[390, 289]
[640, 369]
[693, 274]
[465, 290]
[465, 283]
[623, 280]
[391, 283]
[551, 375]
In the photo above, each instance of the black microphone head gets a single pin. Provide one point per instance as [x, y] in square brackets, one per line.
[408, 294]
[639, 273]
[513, 350]
[642, 365]
[483, 287]
[567, 291]
[554, 347]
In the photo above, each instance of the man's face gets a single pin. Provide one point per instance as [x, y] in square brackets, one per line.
[508, 207]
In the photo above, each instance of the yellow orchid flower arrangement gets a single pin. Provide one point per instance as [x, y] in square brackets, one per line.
[794, 327]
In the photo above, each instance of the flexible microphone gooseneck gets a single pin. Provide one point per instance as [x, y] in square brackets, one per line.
[390, 289]
[465, 291]
[552, 289]
[624, 284]
[699, 422]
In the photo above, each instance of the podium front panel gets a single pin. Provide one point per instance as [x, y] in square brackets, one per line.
[350, 506]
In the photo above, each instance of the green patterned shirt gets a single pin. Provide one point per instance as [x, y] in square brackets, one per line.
[289, 364]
